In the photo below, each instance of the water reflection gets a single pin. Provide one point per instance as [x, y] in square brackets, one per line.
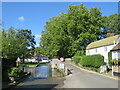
[41, 71]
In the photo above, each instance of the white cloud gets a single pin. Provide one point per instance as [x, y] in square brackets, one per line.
[21, 18]
[37, 36]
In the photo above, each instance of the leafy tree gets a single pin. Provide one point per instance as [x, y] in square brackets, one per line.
[84, 25]
[13, 44]
[27, 42]
[8, 45]
[111, 24]
[16, 43]
[70, 32]
[38, 51]
[55, 37]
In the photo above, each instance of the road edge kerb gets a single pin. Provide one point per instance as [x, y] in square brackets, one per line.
[94, 72]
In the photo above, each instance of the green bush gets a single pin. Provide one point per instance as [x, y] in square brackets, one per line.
[76, 59]
[92, 60]
[95, 69]
[14, 72]
[110, 58]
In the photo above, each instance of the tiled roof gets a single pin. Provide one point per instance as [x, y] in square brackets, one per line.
[103, 42]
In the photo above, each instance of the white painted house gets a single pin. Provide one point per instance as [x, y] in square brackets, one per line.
[30, 60]
[103, 46]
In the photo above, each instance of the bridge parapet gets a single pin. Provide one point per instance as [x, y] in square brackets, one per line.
[56, 63]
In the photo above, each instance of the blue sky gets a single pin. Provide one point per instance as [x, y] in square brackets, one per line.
[33, 15]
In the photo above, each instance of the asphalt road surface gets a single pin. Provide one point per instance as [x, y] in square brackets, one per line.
[84, 79]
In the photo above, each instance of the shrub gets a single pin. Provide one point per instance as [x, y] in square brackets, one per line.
[14, 72]
[92, 60]
[76, 59]
[80, 53]
[110, 58]
[95, 69]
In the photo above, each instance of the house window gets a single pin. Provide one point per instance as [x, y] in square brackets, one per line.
[115, 55]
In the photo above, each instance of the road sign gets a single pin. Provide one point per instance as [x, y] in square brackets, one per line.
[62, 66]
[62, 59]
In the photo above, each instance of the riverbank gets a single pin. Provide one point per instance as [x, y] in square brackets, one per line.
[30, 64]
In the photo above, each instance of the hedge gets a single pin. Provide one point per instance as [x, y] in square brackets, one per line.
[76, 59]
[92, 60]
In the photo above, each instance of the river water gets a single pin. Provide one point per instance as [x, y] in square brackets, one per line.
[39, 78]
[41, 71]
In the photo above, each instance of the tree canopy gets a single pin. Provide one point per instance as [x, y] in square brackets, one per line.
[16, 43]
[71, 32]
[111, 24]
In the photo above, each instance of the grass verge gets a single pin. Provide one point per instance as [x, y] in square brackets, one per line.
[62, 74]
[50, 75]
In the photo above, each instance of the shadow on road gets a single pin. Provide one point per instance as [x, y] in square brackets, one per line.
[36, 87]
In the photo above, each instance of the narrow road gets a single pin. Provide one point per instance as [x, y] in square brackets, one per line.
[84, 79]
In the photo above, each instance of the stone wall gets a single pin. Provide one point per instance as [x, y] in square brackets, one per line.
[56, 63]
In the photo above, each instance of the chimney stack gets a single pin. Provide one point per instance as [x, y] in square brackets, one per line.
[110, 34]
